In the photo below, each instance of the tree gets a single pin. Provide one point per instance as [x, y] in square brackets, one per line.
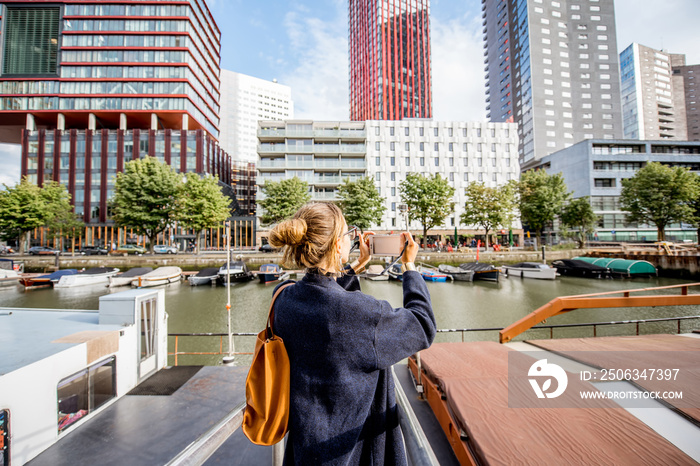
[282, 199]
[695, 206]
[578, 213]
[26, 206]
[659, 195]
[146, 197]
[541, 198]
[429, 199]
[361, 203]
[488, 207]
[202, 204]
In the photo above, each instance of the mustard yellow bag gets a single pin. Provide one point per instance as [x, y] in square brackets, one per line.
[266, 417]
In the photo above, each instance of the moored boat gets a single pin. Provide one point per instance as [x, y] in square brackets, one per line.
[531, 270]
[374, 273]
[457, 273]
[269, 273]
[431, 274]
[482, 271]
[157, 277]
[204, 276]
[395, 272]
[125, 279]
[93, 276]
[9, 277]
[47, 280]
[623, 267]
[579, 268]
[237, 270]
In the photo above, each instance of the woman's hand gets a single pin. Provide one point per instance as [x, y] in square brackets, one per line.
[409, 255]
[365, 256]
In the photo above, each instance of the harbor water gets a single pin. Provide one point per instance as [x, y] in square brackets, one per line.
[458, 305]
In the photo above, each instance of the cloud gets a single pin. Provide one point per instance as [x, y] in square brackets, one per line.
[10, 159]
[457, 69]
[319, 81]
[668, 24]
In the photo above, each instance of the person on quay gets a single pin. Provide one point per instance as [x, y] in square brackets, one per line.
[342, 343]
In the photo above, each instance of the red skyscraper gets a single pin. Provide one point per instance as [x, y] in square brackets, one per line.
[389, 59]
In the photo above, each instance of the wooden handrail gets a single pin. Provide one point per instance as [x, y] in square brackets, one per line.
[565, 304]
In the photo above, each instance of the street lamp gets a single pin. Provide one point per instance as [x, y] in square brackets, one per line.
[403, 209]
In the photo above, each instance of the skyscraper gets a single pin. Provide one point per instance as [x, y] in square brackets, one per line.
[389, 59]
[244, 101]
[653, 100]
[552, 67]
[688, 75]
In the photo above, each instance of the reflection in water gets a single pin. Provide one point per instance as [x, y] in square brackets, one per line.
[194, 309]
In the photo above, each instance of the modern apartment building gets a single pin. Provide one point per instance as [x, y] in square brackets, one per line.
[461, 152]
[653, 97]
[244, 101]
[390, 76]
[690, 75]
[326, 153]
[596, 168]
[86, 87]
[552, 67]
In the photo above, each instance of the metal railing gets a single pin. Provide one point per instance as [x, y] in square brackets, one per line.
[221, 351]
[595, 326]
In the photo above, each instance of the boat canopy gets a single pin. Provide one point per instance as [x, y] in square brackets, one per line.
[626, 266]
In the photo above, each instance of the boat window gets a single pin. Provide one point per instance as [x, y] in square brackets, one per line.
[4, 437]
[85, 391]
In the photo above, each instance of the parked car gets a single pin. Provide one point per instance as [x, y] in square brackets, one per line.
[92, 250]
[164, 249]
[130, 249]
[37, 250]
[267, 247]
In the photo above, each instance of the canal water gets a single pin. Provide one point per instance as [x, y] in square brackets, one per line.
[458, 305]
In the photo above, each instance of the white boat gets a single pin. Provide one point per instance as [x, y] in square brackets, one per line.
[204, 276]
[159, 276]
[530, 270]
[374, 273]
[125, 279]
[94, 276]
[9, 277]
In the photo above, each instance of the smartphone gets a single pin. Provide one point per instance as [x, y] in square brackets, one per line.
[387, 245]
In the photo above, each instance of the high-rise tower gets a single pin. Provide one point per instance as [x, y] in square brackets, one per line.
[653, 99]
[389, 59]
[552, 66]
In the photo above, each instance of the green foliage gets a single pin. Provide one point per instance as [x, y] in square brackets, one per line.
[488, 207]
[361, 203]
[578, 214]
[541, 198]
[659, 195]
[429, 199]
[202, 204]
[282, 199]
[25, 207]
[694, 205]
[146, 197]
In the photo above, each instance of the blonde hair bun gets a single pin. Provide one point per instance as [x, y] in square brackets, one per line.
[290, 232]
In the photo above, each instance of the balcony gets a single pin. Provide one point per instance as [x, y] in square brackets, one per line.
[319, 180]
[271, 148]
[271, 134]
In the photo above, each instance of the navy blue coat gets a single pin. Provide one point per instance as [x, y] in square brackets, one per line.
[341, 345]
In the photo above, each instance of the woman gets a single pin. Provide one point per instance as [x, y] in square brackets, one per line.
[342, 343]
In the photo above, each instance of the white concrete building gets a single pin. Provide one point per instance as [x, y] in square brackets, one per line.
[326, 153]
[461, 152]
[244, 101]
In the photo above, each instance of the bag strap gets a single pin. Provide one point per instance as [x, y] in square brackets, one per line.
[271, 313]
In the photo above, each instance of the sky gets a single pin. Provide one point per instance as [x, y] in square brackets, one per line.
[304, 44]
